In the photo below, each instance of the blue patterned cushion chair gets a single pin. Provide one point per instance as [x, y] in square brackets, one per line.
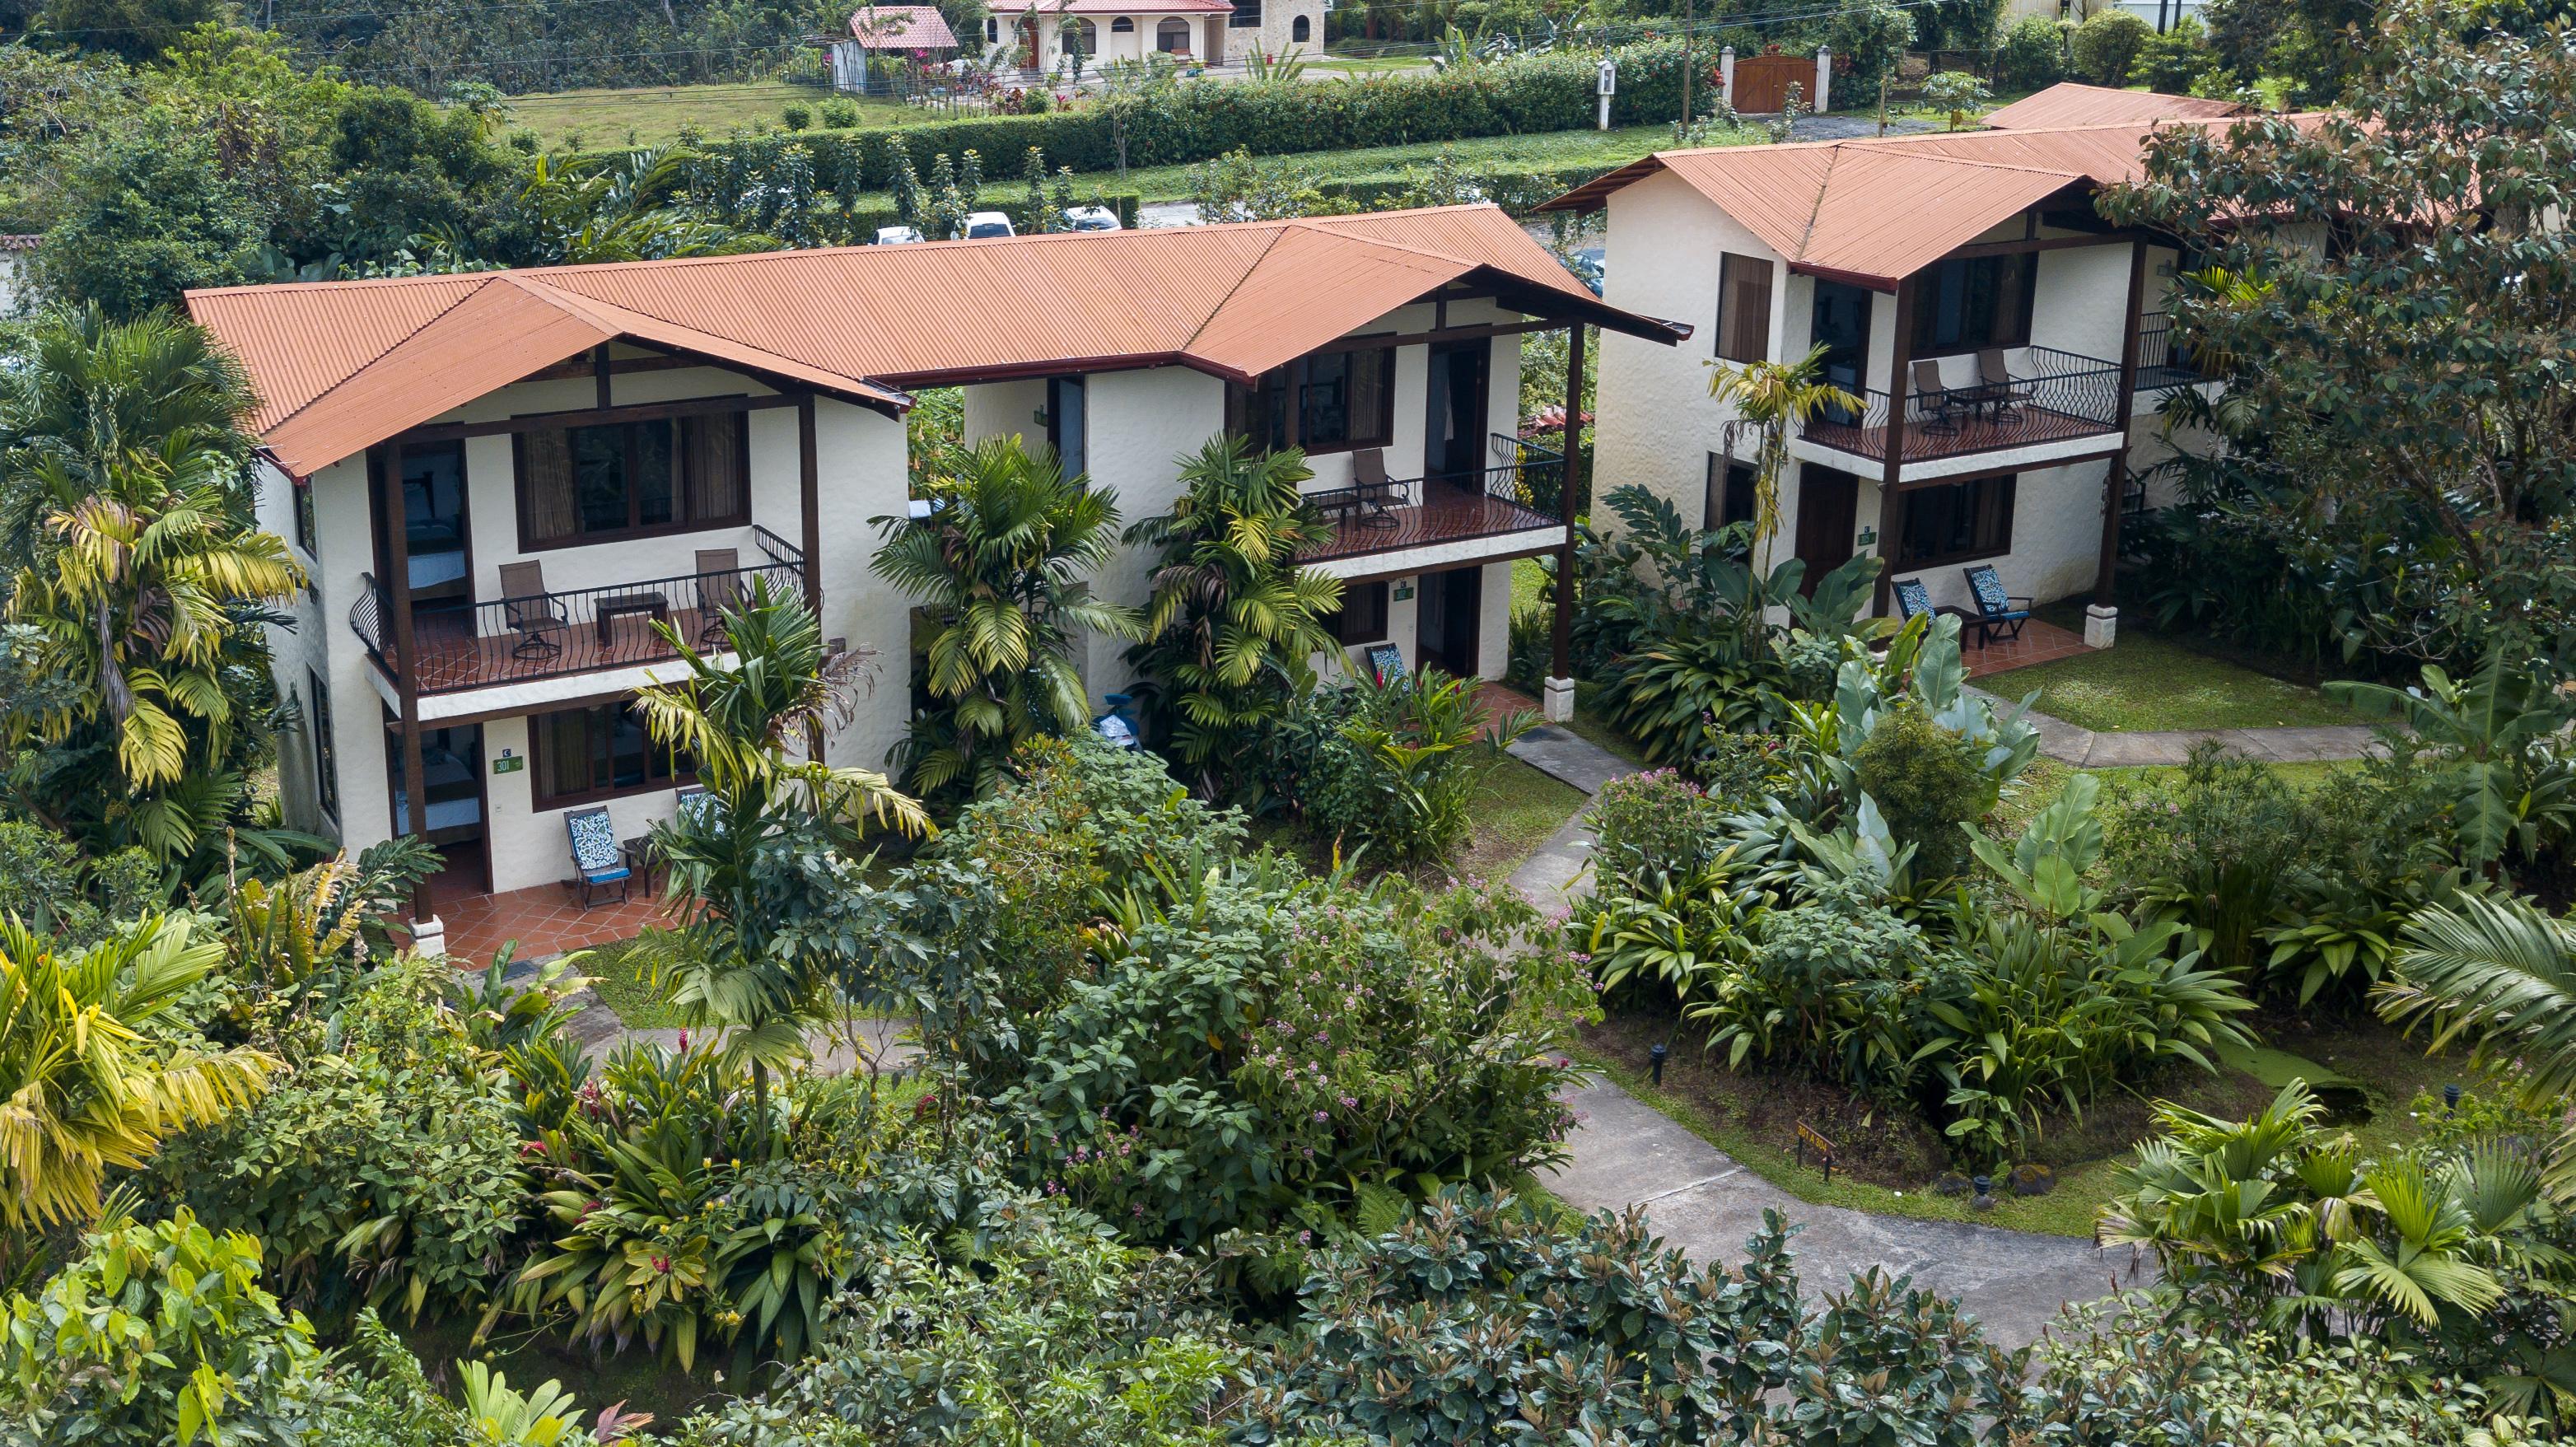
[1913, 600]
[1999, 614]
[597, 865]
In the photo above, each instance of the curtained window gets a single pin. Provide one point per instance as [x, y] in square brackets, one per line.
[1363, 615]
[1331, 402]
[632, 479]
[326, 760]
[585, 754]
[1957, 522]
[1743, 308]
[1965, 305]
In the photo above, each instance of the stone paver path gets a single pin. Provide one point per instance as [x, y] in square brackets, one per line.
[1702, 1200]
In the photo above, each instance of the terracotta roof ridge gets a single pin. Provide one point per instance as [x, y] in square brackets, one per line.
[1816, 208]
[381, 353]
[1277, 230]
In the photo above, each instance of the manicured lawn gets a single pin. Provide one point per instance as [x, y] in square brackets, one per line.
[1515, 811]
[623, 982]
[608, 119]
[2147, 682]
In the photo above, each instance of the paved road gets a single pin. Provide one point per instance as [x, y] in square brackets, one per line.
[2091, 749]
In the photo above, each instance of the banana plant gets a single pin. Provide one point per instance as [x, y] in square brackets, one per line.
[2047, 864]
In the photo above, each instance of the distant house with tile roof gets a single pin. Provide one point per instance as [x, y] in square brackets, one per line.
[1038, 34]
[915, 32]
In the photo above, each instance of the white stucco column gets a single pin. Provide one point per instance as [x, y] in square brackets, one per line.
[1824, 80]
[2101, 626]
[1726, 75]
[1558, 702]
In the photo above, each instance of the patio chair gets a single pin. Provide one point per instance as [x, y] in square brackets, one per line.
[531, 612]
[1368, 481]
[2003, 391]
[1937, 398]
[1913, 600]
[597, 862]
[1999, 614]
[696, 804]
[719, 588]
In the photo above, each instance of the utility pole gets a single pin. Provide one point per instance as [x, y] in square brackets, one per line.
[1690, 16]
[1882, 102]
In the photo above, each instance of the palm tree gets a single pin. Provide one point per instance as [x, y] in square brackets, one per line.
[83, 1086]
[145, 578]
[1771, 396]
[753, 873]
[1233, 621]
[2501, 972]
[999, 565]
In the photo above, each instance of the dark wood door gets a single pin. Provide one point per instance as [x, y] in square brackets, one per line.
[1454, 441]
[1445, 620]
[1828, 505]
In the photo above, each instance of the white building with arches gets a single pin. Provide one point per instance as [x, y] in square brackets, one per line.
[1203, 32]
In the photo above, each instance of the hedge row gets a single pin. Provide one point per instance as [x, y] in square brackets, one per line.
[1198, 120]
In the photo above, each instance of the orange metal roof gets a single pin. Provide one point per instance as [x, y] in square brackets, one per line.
[2069, 103]
[1880, 209]
[340, 366]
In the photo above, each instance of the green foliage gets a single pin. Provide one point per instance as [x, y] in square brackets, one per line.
[1867, 41]
[157, 1334]
[1659, 822]
[1236, 187]
[2177, 61]
[2032, 54]
[2500, 973]
[1055, 1334]
[2395, 487]
[2490, 747]
[46, 882]
[1001, 566]
[1394, 765]
[1927, 782]
[2104, 48]
[384, 1171]
[1958, 92]
[99, 1063]
[1232, 621]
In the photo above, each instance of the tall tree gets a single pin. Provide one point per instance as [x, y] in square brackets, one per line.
[2389, 294]
[145, 581]
[84, 1084]
[1233, 621]
[1001, 566]
[758, 876]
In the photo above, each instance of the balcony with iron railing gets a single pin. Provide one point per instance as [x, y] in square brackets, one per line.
[2163, 361]
[1524, 493]
[2039, 395]
[580, 630]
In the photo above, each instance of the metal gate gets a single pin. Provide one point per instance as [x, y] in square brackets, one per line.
[1762, 83]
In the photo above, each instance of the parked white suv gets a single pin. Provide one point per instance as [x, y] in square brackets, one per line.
[981, 224]
[1091, 218]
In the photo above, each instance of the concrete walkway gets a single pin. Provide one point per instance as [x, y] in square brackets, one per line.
[1702, 1200]
[2090, 749]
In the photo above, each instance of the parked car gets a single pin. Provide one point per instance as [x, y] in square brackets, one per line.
[988, 223]
[896, 235]
[1092, 218]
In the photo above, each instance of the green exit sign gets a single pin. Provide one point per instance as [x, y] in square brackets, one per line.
[508, 764]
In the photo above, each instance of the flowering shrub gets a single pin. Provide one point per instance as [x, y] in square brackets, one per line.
[1656, 822]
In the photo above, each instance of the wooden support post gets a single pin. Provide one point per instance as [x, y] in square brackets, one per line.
[1891, 498]
[2115, 478]
[809, 491]
[1569, 487]
[386, 466]
[599, 372]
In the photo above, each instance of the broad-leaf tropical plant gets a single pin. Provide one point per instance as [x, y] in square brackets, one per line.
[2493, 750]
[1001, 565]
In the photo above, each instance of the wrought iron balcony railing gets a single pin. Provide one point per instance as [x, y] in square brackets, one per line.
[2163, 361]
[558, 632]
[2043, 395]
[1519, 495]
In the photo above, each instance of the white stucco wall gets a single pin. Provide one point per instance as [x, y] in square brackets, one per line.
[860, 460]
